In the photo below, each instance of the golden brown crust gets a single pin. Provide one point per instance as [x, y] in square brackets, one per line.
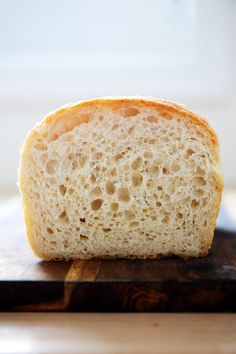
[79, 112]
[162, 106]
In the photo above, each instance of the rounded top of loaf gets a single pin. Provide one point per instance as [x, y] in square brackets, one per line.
[81, 109]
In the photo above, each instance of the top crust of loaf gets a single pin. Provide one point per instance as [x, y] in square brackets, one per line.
[163, 106]
[69, 116]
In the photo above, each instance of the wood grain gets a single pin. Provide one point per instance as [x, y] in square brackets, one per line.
[117, 333]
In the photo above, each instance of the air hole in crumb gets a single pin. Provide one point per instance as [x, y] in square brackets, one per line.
[106, 230]
[114, 206]
[179, 215]
[189, 152]
[97, 156]
[100, 118]
[123, 195]
[154, 170]
[194, 203]
[115, 126]
[165, 220]
[134, 224]
[129, 214]
[136, 163]
[158, 204]
[82, 159]
[71, 156]
[74, 164]
[113, 172]
[96, 192]
[152, 119]
[54, 136]
[63, 216]
[83, 237]
[65, 243]
[137, 179]
[49, 231]
[118, 157]
[150, 184]
[82, 219]
[110, 188]
[152, 141]
[198, 193]
[159, 188]
[200, 181]
[96, 204]
[148, 154]
[71, 191]
[200, 171]
[165, 171]
[131, 112]
[166, 197]
[62, 189]
[93, 179]
[51, 167]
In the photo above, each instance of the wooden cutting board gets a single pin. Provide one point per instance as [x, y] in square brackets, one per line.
[26, 283]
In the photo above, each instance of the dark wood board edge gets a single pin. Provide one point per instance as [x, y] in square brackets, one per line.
[208, 296]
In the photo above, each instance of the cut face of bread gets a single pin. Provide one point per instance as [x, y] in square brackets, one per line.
[122, 177]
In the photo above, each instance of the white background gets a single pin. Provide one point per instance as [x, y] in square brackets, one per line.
[58, 51]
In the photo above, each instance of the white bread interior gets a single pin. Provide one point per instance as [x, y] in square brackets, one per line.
[120, 178]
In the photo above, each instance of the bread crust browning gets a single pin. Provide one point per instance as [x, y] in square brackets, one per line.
[117, 102]
[78, 110]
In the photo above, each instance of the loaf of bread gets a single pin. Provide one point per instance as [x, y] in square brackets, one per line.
[120, 178]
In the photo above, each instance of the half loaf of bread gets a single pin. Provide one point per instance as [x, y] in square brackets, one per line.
[120, 178]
